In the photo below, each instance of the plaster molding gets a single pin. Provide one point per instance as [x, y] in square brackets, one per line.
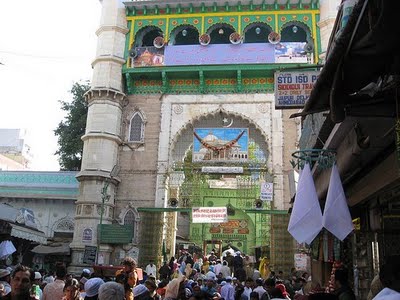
[108, 58]
[102, 135]
[104, 93]
[119, 29]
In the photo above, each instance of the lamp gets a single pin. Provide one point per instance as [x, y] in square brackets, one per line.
[258, 30]
[184, 32]
[221, 31]
[295, 29]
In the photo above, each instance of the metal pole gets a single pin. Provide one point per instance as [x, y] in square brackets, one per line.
[103, 200]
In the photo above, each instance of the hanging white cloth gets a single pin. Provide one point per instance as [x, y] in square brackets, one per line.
[306, 219]
[337, 218]
[6, 248]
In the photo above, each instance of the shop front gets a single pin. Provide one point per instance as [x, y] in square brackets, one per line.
[353, 110]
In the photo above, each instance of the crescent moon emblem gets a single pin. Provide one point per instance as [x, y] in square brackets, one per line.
[230, 124]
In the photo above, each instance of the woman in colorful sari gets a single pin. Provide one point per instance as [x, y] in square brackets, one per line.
[264, 268]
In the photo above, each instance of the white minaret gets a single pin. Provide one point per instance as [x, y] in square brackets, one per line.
[328, 11]
[102, 136]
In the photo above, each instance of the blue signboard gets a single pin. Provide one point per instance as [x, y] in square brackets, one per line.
[221, 54]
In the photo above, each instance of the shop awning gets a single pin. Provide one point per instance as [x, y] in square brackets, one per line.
[28, 234]
[55, 249]
[360, 59]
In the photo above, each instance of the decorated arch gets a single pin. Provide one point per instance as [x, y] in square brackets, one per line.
[256, 32]
[146, 35]
[184, 34]
[214, 139]
[220, 33]
[296, 31]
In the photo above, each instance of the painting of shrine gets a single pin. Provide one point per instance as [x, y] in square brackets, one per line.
[220, 144]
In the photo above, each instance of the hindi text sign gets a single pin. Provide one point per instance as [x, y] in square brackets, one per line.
[209, 215]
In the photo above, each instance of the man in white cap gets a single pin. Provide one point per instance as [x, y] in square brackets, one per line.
[225, 270]
[86, 273]
[228, 290]
[38, 281]
[92, 286]
[5, 281]
[211, 275]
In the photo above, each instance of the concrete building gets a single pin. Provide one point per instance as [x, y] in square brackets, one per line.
[15, 153]
[49, 199]
[353, 112]
[163, 70]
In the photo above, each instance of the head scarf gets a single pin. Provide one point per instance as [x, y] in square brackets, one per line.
[282, 288]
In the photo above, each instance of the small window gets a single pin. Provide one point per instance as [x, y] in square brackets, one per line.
[129, 218]
[136, 129]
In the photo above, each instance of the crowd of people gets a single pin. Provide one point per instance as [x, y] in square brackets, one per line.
[187, 278]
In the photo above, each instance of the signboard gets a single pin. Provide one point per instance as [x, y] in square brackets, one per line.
[209, 214]
[219, 54]
[266, 191]
[89, 255]
[116, 234]
[148, 57]
[290, 52]
[292, 89]
[302, 262]
[222, 170]
[240, 226]
[220, 144]
[87, 235]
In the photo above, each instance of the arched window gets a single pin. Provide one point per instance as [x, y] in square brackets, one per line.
[295, 32]
[256, 33]
[136, 128]
[129, 216]
[184, 35]
[130, 219]
[145, 37]
[220, 33]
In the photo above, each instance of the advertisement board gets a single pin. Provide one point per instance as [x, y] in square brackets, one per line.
[290, 52]
[220, 54]
[209, 214]
[292, 89]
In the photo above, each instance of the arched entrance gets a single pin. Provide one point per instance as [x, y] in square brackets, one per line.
[226, 143]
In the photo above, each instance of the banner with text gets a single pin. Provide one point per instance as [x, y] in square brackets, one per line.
[266, 191]
[209, 215]
[292, 89]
